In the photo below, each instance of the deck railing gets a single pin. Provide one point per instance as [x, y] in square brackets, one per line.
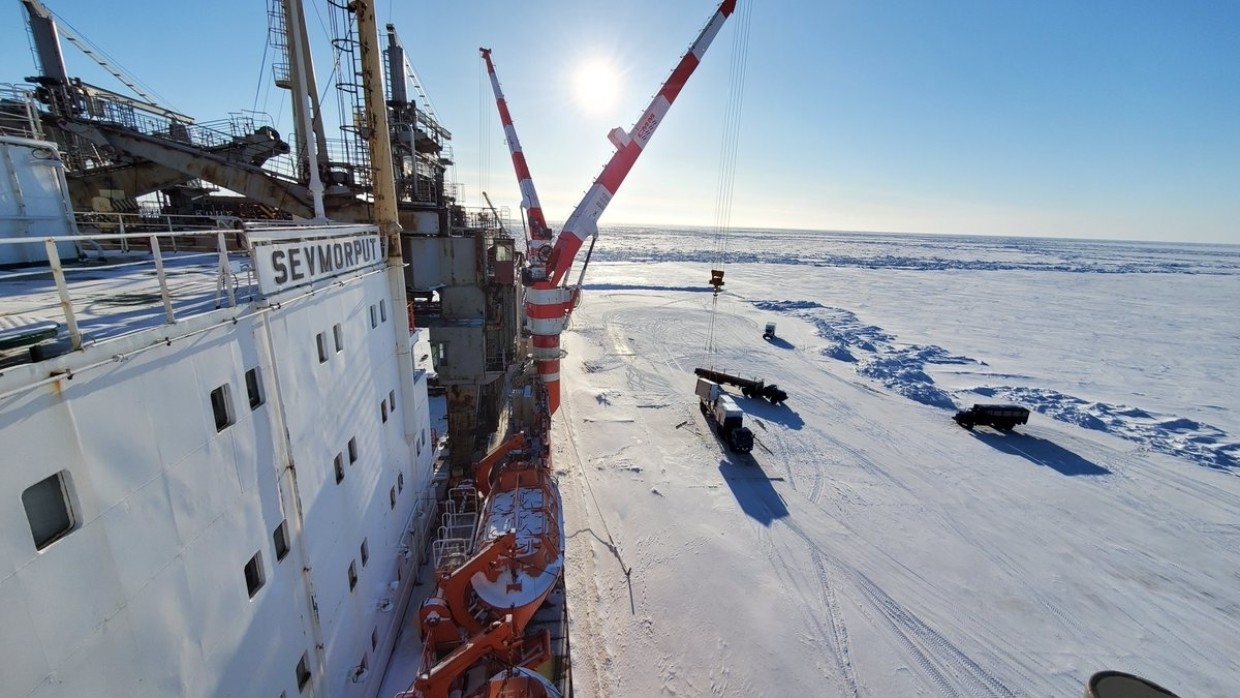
[151, 262]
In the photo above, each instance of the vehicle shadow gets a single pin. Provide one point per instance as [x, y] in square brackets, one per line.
[753, 489]
[760, 409]
[779, 342]
[1041, 452]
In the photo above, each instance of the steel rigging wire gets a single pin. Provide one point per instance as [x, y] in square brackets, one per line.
[727, 165]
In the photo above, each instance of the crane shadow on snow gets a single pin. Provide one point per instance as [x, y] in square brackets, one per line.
[1041, 452]
[753, 489]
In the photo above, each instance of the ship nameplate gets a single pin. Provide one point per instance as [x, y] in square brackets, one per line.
[286, 264]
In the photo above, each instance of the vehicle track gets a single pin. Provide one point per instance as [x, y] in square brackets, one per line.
[950, 669]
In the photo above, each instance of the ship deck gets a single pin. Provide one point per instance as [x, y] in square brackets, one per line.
[106, 286]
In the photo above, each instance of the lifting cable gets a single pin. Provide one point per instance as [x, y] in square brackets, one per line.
[727, 164]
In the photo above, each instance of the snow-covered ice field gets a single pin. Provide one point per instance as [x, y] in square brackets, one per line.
[872, 547]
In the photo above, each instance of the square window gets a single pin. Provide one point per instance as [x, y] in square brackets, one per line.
[221, 407]
[254, 577]
[352, 576]
[48, 509]
[392, 400]
[338, 333]
[353, 450]
[338, 462]
[383, 311]
[365, 552]
[321, 340]
[303, 671]
[374, 317]
[280, 538]
[254, 388]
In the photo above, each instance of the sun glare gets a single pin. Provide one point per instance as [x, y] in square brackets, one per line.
[596, 86]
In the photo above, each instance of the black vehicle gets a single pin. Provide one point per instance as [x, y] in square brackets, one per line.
[1001, 417]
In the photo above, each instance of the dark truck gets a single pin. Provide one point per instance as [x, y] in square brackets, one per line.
[1001, 417]
[749, 388]
[719, 407]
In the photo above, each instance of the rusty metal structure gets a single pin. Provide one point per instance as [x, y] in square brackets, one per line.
[130, 155]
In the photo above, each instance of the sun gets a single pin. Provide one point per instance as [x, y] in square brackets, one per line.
[596, 86]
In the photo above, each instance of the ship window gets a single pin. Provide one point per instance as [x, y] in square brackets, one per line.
[254, 578]
[48, 509]
[383, 311]
[352, 575]
[374, 639]
[392, 401]
[400, 482]
[383, 410]
[365, 552]
[221, 406]
[303, 671]
[280, 537]
[254, 388]
[338, 333]
[339, 463]
[321, 340]
[374, 317]
[353, 450]
[392, 498]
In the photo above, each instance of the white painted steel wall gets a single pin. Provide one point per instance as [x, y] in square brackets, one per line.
[148, 595]
[32, 199]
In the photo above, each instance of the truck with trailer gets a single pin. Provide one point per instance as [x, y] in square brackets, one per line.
[749, 387]
[1001, 417]
[720, 408]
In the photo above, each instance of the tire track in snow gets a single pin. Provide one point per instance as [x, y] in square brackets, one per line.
[832, 630]
[951, 670]
[835, 622]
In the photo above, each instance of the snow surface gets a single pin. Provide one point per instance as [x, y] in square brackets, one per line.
[871, 547]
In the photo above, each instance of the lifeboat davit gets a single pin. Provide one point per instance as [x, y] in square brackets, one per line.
[519, 682]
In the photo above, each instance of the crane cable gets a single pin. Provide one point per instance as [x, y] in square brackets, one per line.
[727, 164]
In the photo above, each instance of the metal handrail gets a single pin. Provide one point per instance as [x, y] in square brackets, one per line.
[226, 284]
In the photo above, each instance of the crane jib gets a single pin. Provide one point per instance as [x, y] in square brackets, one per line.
[549, 305]
[630, 147]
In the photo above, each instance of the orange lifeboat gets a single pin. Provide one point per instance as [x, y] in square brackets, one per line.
[524, 501]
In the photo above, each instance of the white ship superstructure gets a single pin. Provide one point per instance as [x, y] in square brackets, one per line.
[214, 450]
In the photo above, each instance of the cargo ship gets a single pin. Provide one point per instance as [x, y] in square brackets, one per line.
[224, 467]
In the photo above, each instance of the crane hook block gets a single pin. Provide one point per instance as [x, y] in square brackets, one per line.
[716, 279]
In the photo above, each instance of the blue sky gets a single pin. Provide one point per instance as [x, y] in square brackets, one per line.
[1099, 119]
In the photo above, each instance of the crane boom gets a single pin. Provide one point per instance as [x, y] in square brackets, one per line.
[540, 234]
[37, 8]
[547, 304]
[583, 222]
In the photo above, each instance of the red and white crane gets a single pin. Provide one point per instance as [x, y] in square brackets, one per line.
[547, 301]
[540, 233]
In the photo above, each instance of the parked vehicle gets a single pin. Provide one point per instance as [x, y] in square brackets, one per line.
[749, 387]
[720, 408]
[769, 333]
[1001, 417]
